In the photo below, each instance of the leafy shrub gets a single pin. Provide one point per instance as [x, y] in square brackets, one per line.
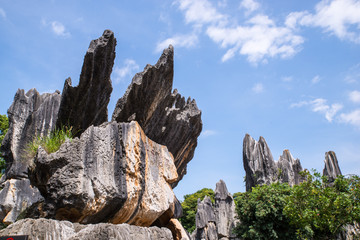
[189, 206]
[50, 143]
[4, 126]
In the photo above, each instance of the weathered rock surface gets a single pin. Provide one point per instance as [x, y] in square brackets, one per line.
[46, 229]
[218, 221]
[86, 104]
[350, 232]
[261, 168]
[331, 169]
[16, 196]
[178, 231]
[224, 211]
[165, 117]
[112, 173]
[30, 115]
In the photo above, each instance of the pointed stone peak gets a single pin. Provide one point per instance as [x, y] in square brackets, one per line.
[221, 191]
[166, 57]
[331, 169]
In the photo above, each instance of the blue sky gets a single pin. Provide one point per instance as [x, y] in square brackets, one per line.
[285, 70]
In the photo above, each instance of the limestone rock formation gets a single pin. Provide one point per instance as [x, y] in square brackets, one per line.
[65, 230]
[30, 115]
[205, 221]
[331, 169]
[112, 173]
[86, 104]
[218, 221]
[224, 211]
[165, 117]
[261, 168]
[178, 231]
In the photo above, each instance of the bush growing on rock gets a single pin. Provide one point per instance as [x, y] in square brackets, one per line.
[4, 126]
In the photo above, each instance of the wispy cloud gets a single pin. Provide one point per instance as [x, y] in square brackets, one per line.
[258, 88]
[338, 17]
[127, 70]
[208, 133]
[352, 118]
[249, 5]
[57, 28]
[315, 79]
[353, 74]
[320, 105]
[186, 41]
[287, 79]
[354, 96]
[2, 13]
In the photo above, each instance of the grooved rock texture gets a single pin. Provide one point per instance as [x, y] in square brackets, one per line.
[15, 197]
[30, 115]
[218, 221]
[331, 169]
[165, 117]
[224, 211]
[112, 173]
[178, 231]
[86, 104]
[44, 229]
[261, 168]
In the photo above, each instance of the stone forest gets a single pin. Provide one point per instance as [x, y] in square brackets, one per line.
[115, 180]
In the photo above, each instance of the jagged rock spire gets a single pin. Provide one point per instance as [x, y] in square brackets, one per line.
[331, 168]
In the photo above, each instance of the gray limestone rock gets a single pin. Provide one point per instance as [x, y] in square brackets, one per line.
[30, 115]
[112, 173]
[167, 118]
[46, 229]
[205, 221]
[261, 168]
[15, 197]
[331, 169]
[224, 211]
[86, 104]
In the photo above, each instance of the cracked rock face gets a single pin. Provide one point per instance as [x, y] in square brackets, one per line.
[205, 221]
[331, 169]
[261, 168]
[166, 117]
[86, 104]
[64, 230]
[112, 173]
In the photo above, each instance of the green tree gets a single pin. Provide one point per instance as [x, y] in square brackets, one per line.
[319, 210]
[261, 213]
[189, 206]
[4, 126]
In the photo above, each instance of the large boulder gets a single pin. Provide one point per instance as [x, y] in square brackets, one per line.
[331, 168]
[46, 229]
[30, 115]
[166, 117]
[261, 168]
[86, 104]
[112, 173]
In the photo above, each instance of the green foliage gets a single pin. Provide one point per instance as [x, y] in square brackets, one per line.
[4, 126]
[319, 210]
[50, 143]
[189, 206]
[314, 209]
[261, 215]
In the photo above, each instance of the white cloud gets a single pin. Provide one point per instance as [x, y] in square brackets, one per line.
[259, 39]
[186, 41]
[287, 79]
[249, 5]
[354, 96]
[2, 13]
[334, 16]
[315, 79]
[353, 75]
[200, 12]
[129, 68]
[57, 28]
[351, 118]
[320, 105]
[258, 88]
[208, 133]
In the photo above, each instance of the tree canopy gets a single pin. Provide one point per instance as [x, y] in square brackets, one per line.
[4, 126]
